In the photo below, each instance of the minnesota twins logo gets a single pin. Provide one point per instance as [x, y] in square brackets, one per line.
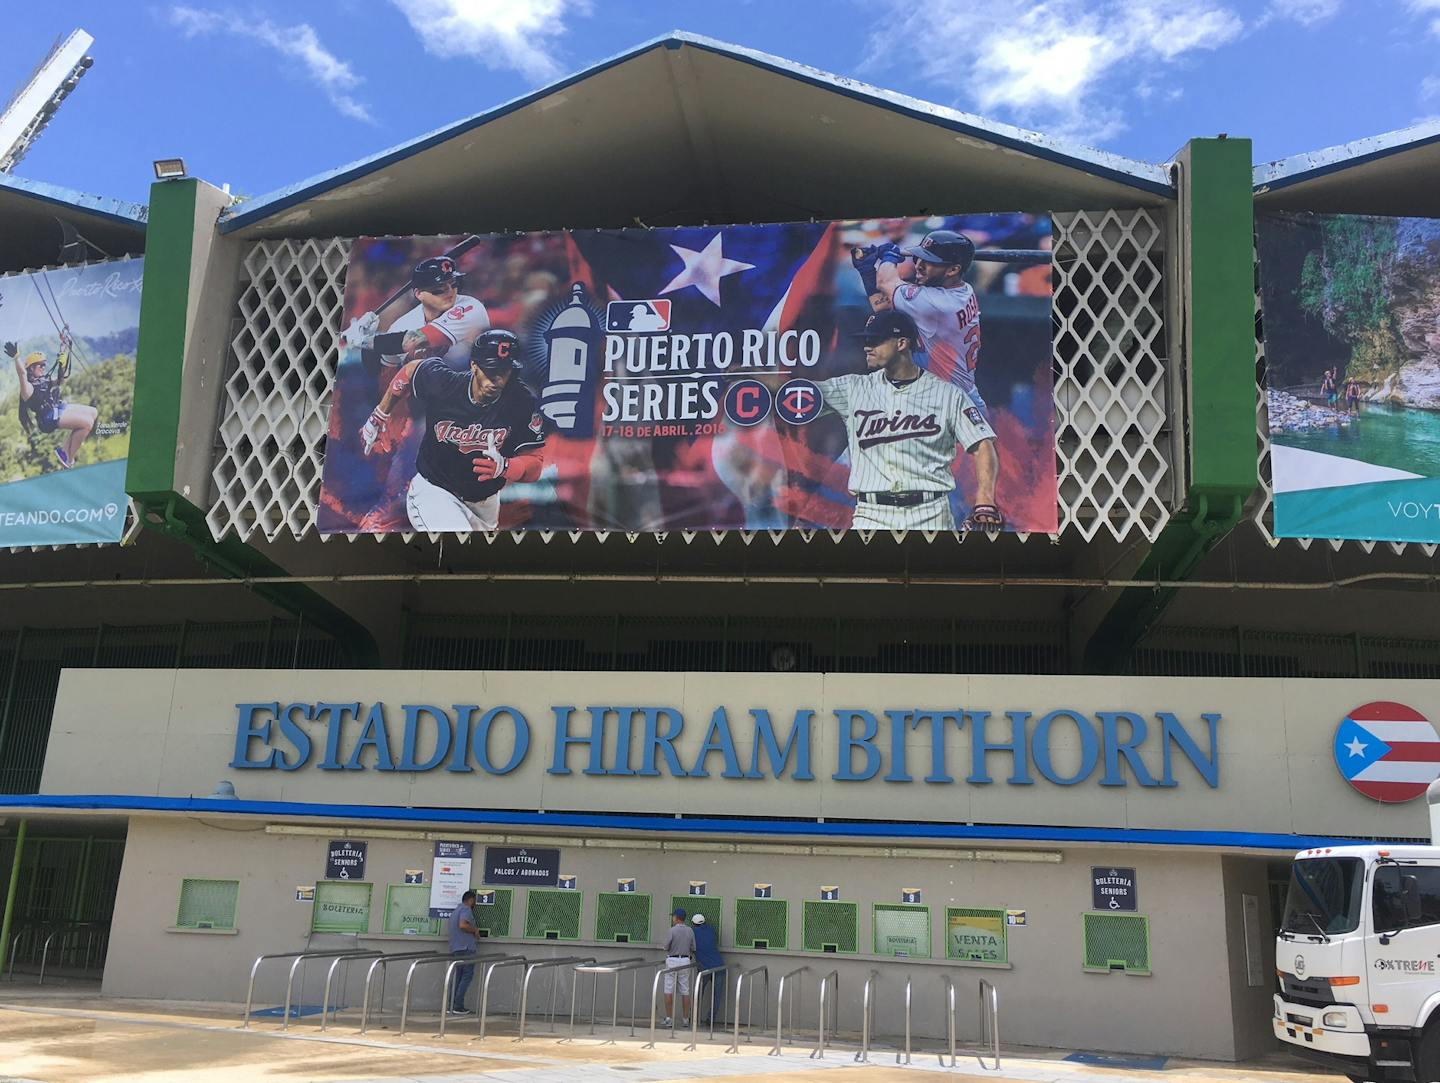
[747, 402]
[799, 402]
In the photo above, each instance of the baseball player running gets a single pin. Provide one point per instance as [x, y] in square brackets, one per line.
[939, 300]
[444, 323]
[481, 430]
[904, 424]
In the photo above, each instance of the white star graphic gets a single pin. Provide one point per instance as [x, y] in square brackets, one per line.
[705, 269]
[1356, 746]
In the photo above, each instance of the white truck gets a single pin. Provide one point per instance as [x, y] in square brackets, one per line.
[1358, 958]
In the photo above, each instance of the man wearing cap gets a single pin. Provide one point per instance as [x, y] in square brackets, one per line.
[943, 305]
[443, 323]
[904, 424]
[679, 947]
[707, 955]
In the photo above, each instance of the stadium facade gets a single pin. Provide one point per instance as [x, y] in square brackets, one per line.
[1073, 764]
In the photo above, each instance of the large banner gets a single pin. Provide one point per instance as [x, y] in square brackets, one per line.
[885, 374]
[1351, 305]
[67, 383]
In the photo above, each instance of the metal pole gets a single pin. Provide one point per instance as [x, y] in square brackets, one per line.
[10, 892]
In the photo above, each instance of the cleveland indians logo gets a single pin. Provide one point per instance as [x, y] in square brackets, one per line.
[470, 438]
[799, 402]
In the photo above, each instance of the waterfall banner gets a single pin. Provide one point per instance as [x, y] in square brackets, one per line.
[1349, 305]
[807, 375]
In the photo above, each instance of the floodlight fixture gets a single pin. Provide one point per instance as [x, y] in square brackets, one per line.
[170, 169]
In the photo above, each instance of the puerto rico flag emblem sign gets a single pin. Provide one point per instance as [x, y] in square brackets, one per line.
[1387, 751]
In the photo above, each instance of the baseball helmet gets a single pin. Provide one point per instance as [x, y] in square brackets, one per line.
[435, 271]
[496, 352]
[891, 323]
[945, 246]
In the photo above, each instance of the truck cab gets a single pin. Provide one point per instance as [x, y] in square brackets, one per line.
[1358, 960]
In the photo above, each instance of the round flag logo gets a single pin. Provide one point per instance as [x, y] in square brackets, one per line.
[1388, 751]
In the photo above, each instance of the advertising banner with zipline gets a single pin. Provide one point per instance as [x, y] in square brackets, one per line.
[67, 385]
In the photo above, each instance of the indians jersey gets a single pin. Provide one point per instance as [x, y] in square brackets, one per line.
[949, 323]
[455, 329]
[902, 439]
[458, 430]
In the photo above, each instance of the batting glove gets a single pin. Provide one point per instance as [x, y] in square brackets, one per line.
[374, 428]
[361, 333]
[490, 464]
[863, 260]
[986, 517]
[889, 252]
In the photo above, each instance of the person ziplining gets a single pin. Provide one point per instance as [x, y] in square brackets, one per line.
[42, 404]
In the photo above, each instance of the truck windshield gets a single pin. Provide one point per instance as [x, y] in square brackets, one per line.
[1324, 896]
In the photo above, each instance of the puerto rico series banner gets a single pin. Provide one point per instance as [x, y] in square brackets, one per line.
[67, 384]
[1350, 307]
[883, 374]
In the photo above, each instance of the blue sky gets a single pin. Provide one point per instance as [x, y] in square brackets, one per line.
[261, 94]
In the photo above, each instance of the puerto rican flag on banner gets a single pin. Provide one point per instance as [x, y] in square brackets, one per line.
[1387, 751]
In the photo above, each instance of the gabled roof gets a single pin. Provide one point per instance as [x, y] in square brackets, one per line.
[28, 210]
[687, 128]
[1394, 173]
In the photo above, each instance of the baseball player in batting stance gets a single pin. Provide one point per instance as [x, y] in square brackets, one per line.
[444, 323]
[904, 424]
[939, 300]
[481, 430]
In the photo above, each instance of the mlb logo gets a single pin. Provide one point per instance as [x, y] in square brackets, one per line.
[762, 891]
[799, 402]
[485, 898]
[909, 894]
[568, 881]
[637, 317]
[697, 887]
[829, 894]
[625, 885]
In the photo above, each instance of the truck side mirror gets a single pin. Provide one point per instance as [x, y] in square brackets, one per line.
[1410, 894]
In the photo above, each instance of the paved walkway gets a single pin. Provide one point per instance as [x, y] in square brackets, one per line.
[65, 1037]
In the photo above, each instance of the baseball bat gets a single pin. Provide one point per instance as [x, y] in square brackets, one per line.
[454, 253]
[1012, 255]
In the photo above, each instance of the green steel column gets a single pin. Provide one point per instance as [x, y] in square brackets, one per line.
[150, 476]
[5, 922]
[1217, 274]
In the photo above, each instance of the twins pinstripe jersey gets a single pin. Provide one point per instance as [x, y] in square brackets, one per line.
[902, 440]
[949, 323]
[458, 326]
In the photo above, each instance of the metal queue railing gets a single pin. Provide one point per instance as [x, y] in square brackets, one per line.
[486, 963]
[764, 972]
[330, 981]
[380, 965]
[614, 969]
[69, 934]
[908, 1002]
[452, 959]
[298, 957]
[490, 972]
[867, 1018]
[798, 990]
[828, 982]
[691, 967]
[713, 974]
[544, 964]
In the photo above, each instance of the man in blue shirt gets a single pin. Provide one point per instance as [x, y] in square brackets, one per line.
[460, 926]
[707, 954]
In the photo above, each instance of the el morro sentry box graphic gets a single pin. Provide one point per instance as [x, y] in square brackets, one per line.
[880, 374]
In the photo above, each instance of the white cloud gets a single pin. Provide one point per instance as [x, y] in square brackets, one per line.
[296, 43]
[1047, 63]
[1430, 8]
[1305, 12]
[506, 35]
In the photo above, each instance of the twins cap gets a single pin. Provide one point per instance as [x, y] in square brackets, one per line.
[944, 246]
[889, 324]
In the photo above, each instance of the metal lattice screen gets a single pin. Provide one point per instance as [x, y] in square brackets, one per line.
[341, 907]
[552, 914]
[407, 911]
[713, 908]
[1117, 942]
[762, 923]
[492, 910]
[830, 925]
[901, 929]
[623, 914]
[207, 904]
[1112, 372]
[976, 935]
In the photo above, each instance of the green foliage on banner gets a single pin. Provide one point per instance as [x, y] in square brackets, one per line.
[1348, 284]
[109, 386]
